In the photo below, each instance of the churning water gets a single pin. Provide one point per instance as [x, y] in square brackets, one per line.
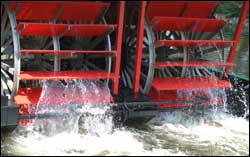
[175, 133]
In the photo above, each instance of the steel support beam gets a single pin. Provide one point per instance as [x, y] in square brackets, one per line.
[139, 44]
[118, 46]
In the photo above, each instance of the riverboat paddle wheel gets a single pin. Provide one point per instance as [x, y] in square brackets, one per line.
[154, 56]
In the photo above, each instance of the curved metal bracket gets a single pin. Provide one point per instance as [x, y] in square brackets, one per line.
[16, 43]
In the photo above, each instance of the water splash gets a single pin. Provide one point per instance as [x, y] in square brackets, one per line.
[216, 96]
[84, 104]
[170, 133]
[176, 133]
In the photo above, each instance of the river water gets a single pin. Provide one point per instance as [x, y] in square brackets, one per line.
[167, 134]
[175, 133]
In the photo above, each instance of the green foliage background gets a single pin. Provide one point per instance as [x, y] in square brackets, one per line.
[231, 8]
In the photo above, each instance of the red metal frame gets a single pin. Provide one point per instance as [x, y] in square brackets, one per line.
[28, 28]
[194, 82]
[34, 10]
[140, 38]
[187, 24]
[173, 95]
[140, 30]
[52, 75]
[138, 54]
[198, 9]
[237, 34]
[120, 18]
[31, 96]
[48, 29]
[203, 43]
[192, 64]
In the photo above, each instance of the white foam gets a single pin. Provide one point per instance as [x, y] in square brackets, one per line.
[176, 133]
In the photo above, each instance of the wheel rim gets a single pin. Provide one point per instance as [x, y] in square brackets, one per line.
[152, 53]
[10, 57]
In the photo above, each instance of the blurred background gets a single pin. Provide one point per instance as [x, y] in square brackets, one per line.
[231, 10]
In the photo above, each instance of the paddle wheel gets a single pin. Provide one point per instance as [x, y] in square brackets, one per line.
[175, 49]
[57, 41]
[158, 51]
